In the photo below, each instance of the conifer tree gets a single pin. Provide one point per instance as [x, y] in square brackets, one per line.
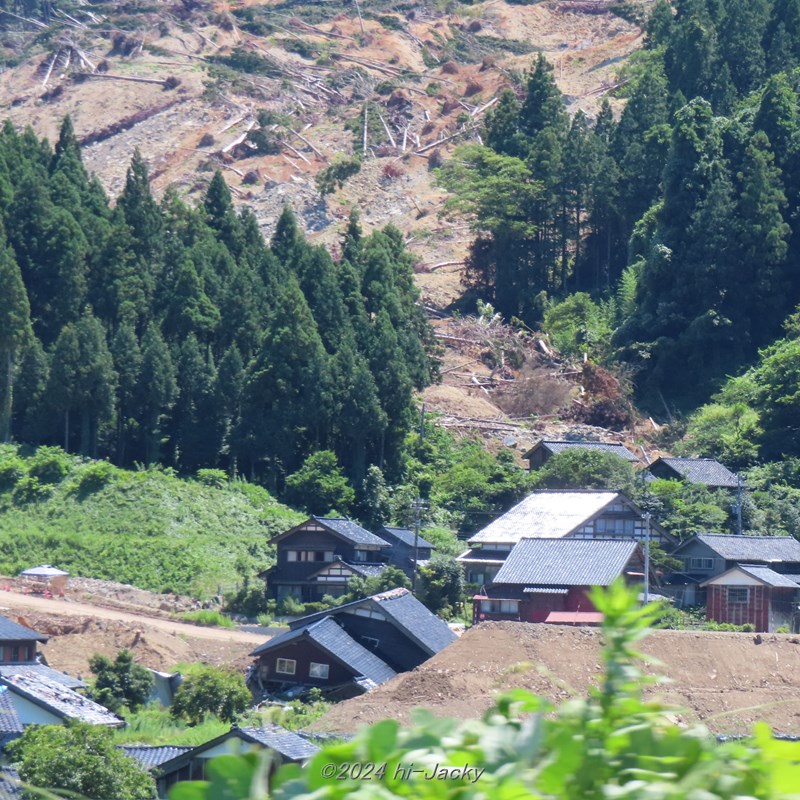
[543, 106]
[157, 392]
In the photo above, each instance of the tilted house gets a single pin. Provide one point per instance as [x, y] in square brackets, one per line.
[352, 648]
[704, 471]
[545, 449]
[556, 515]
[707, 555]
[548, 580]
[169, 764]
[403, 552]
[41, 701]
[320, 556]
[756, 595]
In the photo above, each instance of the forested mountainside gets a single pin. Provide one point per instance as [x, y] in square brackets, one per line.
[673, 230]
[155, 332]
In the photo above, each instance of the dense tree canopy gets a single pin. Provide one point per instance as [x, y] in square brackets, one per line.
[158, 332]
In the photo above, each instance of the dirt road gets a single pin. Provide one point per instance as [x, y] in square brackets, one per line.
[68, 608]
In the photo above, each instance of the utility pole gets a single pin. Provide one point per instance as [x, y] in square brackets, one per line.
[646, 557]
[418, 506]
[738, 503]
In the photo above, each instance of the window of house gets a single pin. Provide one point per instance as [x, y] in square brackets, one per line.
[738, 594]
[291, 555]
[318, 670]
[500, 606]
[370, 641]
[360, 555]
[15, 653]
[286, 666]
[701, 563]
[474, 577]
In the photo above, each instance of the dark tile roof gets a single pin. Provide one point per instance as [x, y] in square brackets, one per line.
[556, 447]
[10, 788]
[9, 719]
[151, 756]
[289, 745]
[44, 671]
[333, 639]
[430, 632]
[566, 562]
[701, 470]
[750, 548]
[13, 631]
[59, 700]
[351, 531]
[403, 535]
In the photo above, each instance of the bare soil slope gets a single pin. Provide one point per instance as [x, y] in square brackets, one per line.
[726, 680]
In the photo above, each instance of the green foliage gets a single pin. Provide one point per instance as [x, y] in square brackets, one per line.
[613, 743]
[210, 691]
[586, 469]
[208, 618]
[319, 486]
[358, 588]
[120, 682]
[297, 714]
[578, 325]
[212, 477]
[95, 476]
[687, 509]
[79, 759]
[49, 465]
[334, 176]
[12, 470]
[441, 585]
[154, 725]
[147, 528]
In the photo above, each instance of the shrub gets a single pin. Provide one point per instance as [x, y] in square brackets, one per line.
[206, 140]
[208, 618]
[433, 89]
[120, 682]
[291, 607]
[217, 478]
[95, 477]
[250, 600]
[336, 173]
[12, 470]
[472, 88]
[171, 82]
[320, 486]
[393, 170]
[209, 690]
[30, 490]
[450, 68]
[49, 465]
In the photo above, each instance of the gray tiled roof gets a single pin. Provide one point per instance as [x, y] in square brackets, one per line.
[290, 745]
[544, 514]
[432, 633]
[556, 447]
[351, 531]
[10, 788]
[769, 576]
[9, 719]
[13, 631]
[566, 562]
[367, 570]
[751, 548]
[44, 671]
[701, 470]
[405, 536]
[331, 637]
[59, 700]
[151, 756]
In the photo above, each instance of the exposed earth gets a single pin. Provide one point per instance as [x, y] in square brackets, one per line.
[728, 681]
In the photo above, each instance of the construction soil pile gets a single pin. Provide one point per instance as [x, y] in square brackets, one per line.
[728, 681]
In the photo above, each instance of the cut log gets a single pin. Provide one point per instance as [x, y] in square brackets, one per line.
[50, 68]
[430, 146]
[305, 141]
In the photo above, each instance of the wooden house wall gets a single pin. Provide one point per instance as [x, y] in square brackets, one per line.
[394, 647]
[303, 652]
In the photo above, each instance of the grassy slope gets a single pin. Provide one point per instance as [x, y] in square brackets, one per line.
[150, 529]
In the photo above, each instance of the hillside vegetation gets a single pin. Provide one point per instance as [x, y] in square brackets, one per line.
[148, 528]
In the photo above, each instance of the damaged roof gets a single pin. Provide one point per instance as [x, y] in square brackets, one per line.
[13, 631]
[555, 447]
[43, 671]
[707, 471]
[59, 700]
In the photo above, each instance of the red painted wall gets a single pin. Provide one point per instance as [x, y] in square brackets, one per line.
[755, 612]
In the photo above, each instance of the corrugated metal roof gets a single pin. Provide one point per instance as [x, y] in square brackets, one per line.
[351, 531]
[544, 590]
[750, 548]
[332, 638]
[151, 756]
[707, 471]
[403, 535]
[290, 745]
[556, 447]
[59, 700]
[13, 631]
[44, 671]
[566, 562]
[544, 514]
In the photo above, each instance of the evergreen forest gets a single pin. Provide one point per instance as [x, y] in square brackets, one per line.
[157, 333]
[669, 233]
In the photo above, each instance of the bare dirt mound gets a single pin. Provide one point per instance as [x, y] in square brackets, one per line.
[726, 680]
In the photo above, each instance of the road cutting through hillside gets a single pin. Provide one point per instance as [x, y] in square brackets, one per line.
[19, 603]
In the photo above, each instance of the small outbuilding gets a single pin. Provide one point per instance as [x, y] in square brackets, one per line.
[46, 578]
